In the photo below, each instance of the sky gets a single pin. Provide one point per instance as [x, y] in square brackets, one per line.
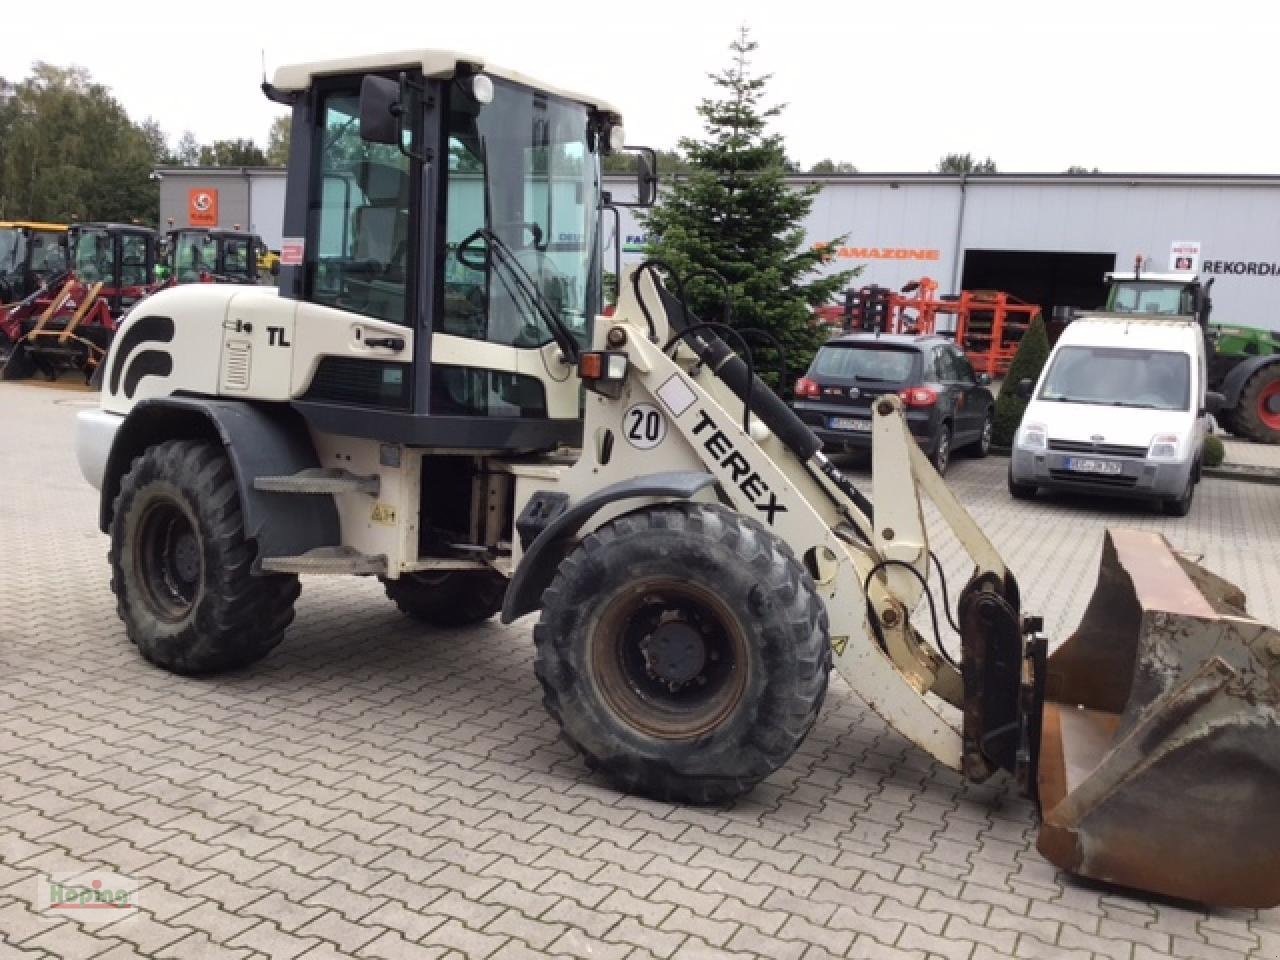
[1038, 85]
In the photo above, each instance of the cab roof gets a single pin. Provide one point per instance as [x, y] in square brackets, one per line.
[1182, 277]
[33, 225]
[432, 63]
[1143, 331]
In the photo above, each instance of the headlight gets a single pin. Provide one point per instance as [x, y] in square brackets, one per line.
[1164, 446]
[1031, 436]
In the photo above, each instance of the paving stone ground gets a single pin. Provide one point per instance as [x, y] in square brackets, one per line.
[377, 790]
[1246, 453]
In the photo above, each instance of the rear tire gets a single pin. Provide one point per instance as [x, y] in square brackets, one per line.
[1020, 491]
[982, 446]
[455, 599]
[684, 652]
[1181, 506]
[18, 365]
[180, 565]
[1252, 417]
[941, 458]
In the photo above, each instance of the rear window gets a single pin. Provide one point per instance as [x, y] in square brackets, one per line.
[864, 363]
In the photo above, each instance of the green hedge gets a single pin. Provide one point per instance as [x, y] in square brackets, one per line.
[1214, 452]
[1027, 364]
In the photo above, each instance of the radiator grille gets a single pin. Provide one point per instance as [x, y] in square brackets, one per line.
[372, 383]
[235, 366]
[1109, 449]
[1101, 479]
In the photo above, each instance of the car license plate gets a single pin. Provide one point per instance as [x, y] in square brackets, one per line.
[850, 423]
[1085, 465]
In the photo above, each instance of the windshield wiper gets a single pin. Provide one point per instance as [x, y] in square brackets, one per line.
[537, 299]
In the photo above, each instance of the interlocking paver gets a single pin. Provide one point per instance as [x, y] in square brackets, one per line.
[378, 789]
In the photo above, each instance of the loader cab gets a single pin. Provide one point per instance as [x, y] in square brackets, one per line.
[463, 203]
[1155, 294]
[198, 255]
[122, 257]
[30, 253]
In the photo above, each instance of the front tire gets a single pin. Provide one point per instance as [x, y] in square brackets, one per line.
[181, 566]
[455, 599]
[1020, 491]
[684, 652]
[1181, 506]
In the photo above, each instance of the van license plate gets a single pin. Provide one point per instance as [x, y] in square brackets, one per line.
[1084, 465]
[850, 423]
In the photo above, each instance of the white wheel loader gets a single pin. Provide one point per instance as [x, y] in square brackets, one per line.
[433, 398]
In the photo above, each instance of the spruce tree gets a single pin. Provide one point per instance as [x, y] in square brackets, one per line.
[732, 212]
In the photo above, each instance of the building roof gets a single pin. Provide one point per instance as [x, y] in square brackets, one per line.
[1063, 179]
[433, 63]
[1181, 277]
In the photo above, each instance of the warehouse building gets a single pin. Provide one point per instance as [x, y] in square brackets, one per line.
[1046, 238]
[229, 198]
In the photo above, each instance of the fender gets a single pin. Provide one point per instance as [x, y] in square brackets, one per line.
[1238, 376]
[542, 558]
[259, 440]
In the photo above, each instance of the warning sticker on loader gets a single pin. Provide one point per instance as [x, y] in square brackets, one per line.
[644, 426]
[384, 514]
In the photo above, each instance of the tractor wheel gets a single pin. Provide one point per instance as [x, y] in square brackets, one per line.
[19, 365]
[455, 599]
[180, 565]
[1257, 416]
[684, 652]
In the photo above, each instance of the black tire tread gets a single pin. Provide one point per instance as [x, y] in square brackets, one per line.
[1245, 421]
[240, 617]
[790, 714]
[464, 599]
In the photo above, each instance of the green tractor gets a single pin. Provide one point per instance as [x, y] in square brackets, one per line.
[1244, 362]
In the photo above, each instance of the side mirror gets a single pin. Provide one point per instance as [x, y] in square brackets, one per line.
[646, 177]
[984, 379]
[1214, 402]
[379, 110]
[1024, 389]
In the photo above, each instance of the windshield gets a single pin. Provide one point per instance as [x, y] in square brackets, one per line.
[46, 253]
[1119, 377]
[235, 257]
[12, 249]
[93, 260]
[195, 253]
[1161, 299]
[521, 218]
[863, 363]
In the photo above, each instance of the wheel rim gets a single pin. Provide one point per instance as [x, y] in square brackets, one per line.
[168, 559]
[1269, 405]
[944, 449]
[986, 435]
[670, 659]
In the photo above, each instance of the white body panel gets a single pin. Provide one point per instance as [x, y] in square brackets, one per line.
[237, 342]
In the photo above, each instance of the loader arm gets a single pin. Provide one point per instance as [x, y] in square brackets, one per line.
[870, 575]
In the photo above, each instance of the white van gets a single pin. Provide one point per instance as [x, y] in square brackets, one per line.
[1119, 410]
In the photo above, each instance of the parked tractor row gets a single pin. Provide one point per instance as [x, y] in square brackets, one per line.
[64, 290]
